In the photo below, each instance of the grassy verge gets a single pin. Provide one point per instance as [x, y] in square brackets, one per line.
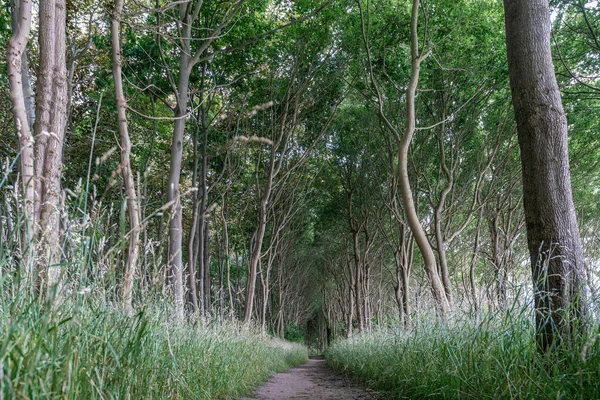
[83, 352]
[493, 360]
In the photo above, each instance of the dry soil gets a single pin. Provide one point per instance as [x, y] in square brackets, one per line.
[313, 381]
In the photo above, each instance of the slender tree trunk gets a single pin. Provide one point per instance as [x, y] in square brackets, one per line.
[175, 223]
[16, 51]
[473, 284]
[199, 255]
[280, 315]
[497, 262]
[225, 216]
[368, 314]
[398, 288]
[192, 257]
[552, 233]
[260, 233]
[437, 287]
[192, 237]
[404, 141]
[264, 280]
[358, 283]
[441, 243]
[28, 95]
[126, 171]
[351, 285]
[221, 263]
[207, 279]
[238, 283]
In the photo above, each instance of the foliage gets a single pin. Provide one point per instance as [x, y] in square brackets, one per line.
[295, 333]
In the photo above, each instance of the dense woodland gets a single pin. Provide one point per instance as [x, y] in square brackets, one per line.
[314, 168]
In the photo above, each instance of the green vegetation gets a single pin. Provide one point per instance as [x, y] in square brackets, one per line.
[79, 351]
[308, 169]
[497, 358]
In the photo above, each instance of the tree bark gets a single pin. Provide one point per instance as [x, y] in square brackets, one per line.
[126, 170]
[437, 218]
[552, 233]
[437, 287]
[175, 223]
[16, 49]
[188, 14]
[40, 162]
[28, 95]
[404, 140]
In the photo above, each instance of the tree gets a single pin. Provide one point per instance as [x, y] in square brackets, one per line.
[404, 140]
[552, 233]
[41, 159]
[126, 170]
[16, 50]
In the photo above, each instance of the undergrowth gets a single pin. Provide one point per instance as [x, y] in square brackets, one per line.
[80, 346]
[80, 351]
[495, 359]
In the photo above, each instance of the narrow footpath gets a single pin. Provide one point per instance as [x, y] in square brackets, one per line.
[313, 381]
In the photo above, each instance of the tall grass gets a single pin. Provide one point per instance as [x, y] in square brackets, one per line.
[496, 359]
[78, 351]
[79, 345]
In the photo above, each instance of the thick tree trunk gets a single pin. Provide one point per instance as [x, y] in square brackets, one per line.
[552, 232]
[49, 131]
[126, 171]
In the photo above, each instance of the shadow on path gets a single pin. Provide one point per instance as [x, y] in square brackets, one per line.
[313, 381]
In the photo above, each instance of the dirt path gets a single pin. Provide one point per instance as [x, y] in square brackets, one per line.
[313, 381]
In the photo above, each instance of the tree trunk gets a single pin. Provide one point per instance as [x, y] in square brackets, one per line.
[552, 233]
[51, 112]
[206, 263]
[221, 263]
[175, 223]
[260, 234]
[437, 287]
[192, 237]
[126, 171]
[225, 216]
[280, 315]
[358, 282]
[475, 252]
[28, 95]
[437, 220]
[16, 50]
[351, 284]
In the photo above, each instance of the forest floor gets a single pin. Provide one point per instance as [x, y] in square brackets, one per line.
[313, 381]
